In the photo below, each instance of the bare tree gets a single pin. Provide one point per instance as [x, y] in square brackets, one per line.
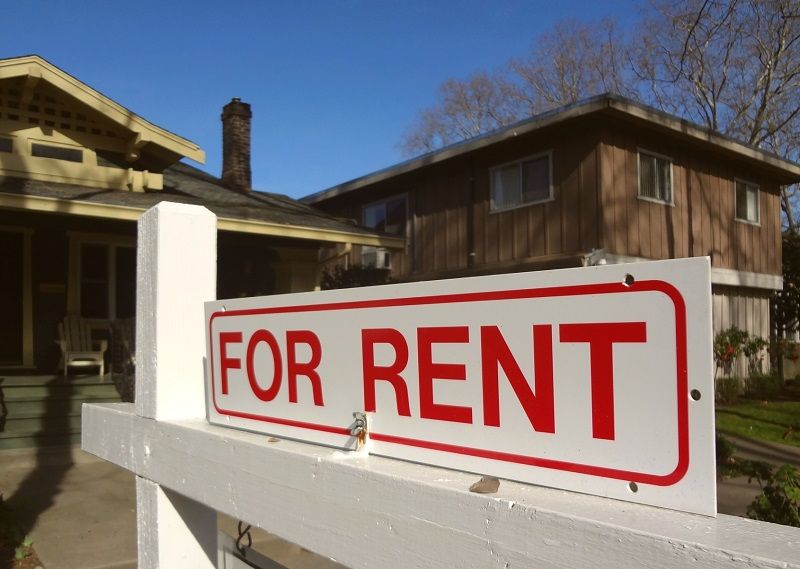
[731, 65]
[466, 108]
[572, 62]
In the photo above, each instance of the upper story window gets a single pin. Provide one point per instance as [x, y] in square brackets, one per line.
[387, 216]
[655, 177]
[523, 182]
[56, 152]
[747, 201]
[6, 145]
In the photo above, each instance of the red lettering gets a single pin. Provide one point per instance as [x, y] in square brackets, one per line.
[266, 337]
[430, 370]
[495, 354]
[308, 369]
[601, 337]
[225, 362]
[390, 373]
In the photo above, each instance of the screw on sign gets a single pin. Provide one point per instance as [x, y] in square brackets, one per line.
[584, 379]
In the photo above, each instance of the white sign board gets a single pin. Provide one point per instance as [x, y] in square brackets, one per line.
[597, 380]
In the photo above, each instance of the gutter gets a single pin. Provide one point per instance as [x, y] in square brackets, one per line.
[128, 213]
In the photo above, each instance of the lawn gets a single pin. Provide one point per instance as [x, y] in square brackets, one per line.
[775, 421]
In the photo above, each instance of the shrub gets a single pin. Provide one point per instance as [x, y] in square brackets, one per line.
[351, 277]
[763, 386]
[753, 350]
[728, 344]
[729, 465]
[728, 390]
[779, 501]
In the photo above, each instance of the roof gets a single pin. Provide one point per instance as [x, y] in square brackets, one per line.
[35, 69]
[252, 212]
[607, 104]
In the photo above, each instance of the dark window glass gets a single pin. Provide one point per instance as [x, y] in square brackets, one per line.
[11, 294]
[6, 145]
[655, 177]
[94, 281]
[126, 282]
[747, 201]
[536, 179]
[520, 183]
[388, 216]
[57, 152]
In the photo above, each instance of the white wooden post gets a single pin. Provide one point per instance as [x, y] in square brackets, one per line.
[176, 274]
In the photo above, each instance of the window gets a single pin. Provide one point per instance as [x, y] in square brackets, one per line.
[57, 152]
[6, 145]
[655, 177]
[520, 183]
[107, 281]
[747, 201]
[387, 216]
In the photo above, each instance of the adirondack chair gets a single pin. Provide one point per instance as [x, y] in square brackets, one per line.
[77, 347]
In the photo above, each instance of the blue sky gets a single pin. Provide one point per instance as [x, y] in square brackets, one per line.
[333, 84]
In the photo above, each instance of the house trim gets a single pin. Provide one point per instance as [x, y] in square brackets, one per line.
[719, 276]
[128, 213]
[606, 104]
[36, 69]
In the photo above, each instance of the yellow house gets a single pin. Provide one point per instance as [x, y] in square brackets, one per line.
[76, 171]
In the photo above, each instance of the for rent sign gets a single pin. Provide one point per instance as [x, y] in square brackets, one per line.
[597, 380]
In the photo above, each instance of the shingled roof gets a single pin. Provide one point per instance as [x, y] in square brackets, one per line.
[251, 212]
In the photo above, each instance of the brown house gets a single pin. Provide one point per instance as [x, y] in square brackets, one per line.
[603, 181]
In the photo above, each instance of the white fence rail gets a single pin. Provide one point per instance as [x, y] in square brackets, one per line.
[363, 511]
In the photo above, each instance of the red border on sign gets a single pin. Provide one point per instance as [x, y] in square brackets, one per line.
[682, 379]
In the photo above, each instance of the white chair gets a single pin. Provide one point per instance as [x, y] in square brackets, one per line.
[77, 347]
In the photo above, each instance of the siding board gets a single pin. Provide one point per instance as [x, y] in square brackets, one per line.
[520, 226]
[588, 201]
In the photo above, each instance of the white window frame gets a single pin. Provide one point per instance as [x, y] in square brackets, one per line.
[757, 221]
[550, 197]
[367, 250]
[403, 196]
[639, 152]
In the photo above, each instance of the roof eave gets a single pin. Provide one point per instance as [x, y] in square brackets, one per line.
[600, 103]
[130, 213]
[144, 131]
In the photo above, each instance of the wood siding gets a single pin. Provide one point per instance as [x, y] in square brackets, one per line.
[702, 219]
[451, 227]
[451, 230]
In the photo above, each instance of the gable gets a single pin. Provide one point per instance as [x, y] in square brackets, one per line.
[54, 128]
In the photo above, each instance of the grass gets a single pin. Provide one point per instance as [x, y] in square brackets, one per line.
[774, 421]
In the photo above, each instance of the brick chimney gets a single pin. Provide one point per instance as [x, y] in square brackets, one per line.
[236, 117]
